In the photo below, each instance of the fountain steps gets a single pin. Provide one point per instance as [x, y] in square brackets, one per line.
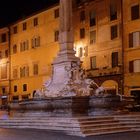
[80, 126]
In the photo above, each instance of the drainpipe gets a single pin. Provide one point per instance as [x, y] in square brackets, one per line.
[122, 27]
[9, 47]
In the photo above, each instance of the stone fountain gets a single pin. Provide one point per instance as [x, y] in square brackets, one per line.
[68, 92]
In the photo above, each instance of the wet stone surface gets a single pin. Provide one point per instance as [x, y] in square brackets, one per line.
[28, 134]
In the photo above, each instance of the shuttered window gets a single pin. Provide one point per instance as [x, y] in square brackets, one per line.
[134, 39]
[92, 18]
[82, 16]
[131, 66]
[82, 33]
[93, 62]
[92, 37]
[135, 12]
[114, 59]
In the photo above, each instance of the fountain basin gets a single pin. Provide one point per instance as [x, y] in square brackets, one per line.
[64, 106]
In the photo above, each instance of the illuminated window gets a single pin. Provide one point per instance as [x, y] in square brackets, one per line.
[135, 12]
[114, 32]
[56, 13]
[134, 39]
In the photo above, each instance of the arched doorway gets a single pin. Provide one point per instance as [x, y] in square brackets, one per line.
[110, 86]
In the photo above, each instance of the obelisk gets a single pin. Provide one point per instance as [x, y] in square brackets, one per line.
[66, 55]
[66, 37]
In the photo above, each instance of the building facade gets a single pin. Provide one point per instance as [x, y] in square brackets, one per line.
[4, 66]
[106, 38]
[131, 43]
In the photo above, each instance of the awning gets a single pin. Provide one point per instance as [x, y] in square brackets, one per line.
[3, 97]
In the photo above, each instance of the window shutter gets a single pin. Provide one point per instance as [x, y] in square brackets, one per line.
[114, 59]
[131, 40]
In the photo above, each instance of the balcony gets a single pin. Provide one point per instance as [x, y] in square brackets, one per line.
[105, 71]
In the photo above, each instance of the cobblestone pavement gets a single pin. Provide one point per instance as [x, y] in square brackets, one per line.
[24, 134]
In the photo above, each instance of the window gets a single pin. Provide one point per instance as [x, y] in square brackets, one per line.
[56, 35]
[3, 90]
[82, 33]
[114, 59]
[114, 32]
[25, 97]
[92, 18]
[36, 42]
[6, 53]
[135, 12]
[92, 37]
[93, 62]
[14, 49]
[15, 88]
[35, 21]
[134, 39]
[24, 71]
[113, 11]
[15, 73]
[3, 37]
[82, 16]
[24, 87]
[15, 98]
[86, 51]
[4, 71]
[80, 54]
[24, 45]
[15, 29]
[56, 13]
[24, 26]
[0, 55]
[35, 69]
[134, 66]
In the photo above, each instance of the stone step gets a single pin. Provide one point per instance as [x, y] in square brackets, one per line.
[40, 124]
[108, 132]
[98, 122]
[105, 129]
[79, 126]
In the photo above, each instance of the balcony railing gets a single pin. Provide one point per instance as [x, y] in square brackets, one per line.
[105, 71]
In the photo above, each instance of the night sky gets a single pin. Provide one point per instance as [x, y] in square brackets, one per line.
[12, 10]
